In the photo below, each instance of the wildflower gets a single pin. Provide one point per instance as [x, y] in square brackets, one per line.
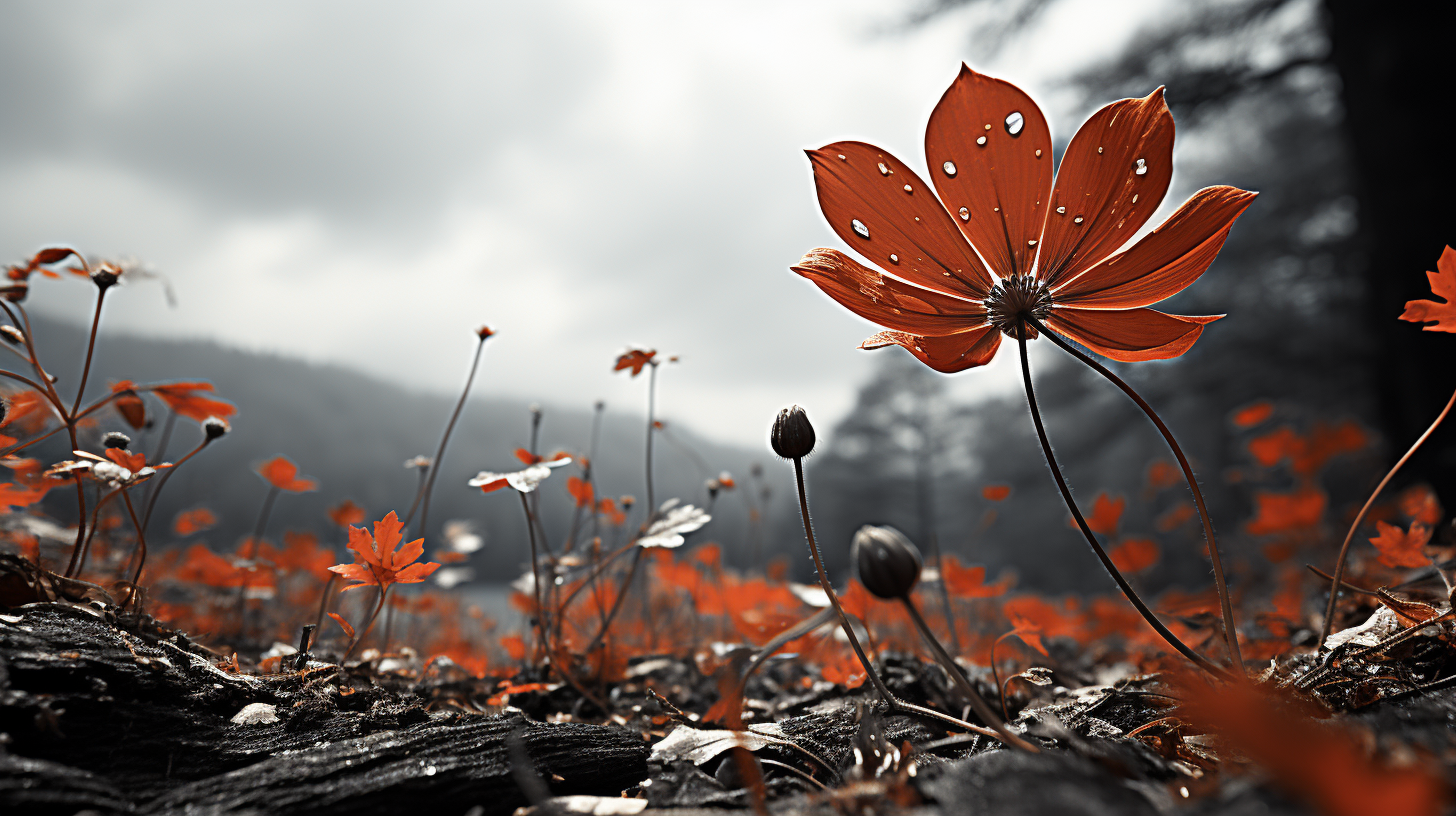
[673, 523]
[1050, 249]
[346, 513]
[526, 480]
[378, 562]
[183, 398]
[283, 475]
[635, 358]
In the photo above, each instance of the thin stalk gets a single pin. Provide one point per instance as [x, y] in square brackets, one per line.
[651, 428]
[369, 624]
[90, 350]
[541, 643]
[621, 596]
[85, 549]
[324, 601]
[1355, 526]
[600, 565]
[166, 438]
[136, 577]
[262, 524]
[591, 478]
[927, 521]
[978, 703]
[890, 699]
[162, 483]
[1230, 629]
[445, 438]
[1127, 590]
[419, 494]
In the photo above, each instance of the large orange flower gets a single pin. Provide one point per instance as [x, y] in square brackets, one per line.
[996, 243]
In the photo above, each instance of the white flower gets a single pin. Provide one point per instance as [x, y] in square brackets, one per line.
[673, 523]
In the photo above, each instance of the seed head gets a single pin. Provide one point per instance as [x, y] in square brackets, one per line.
[889, 565]
[792, 436]
[116, 439]
[215, 428]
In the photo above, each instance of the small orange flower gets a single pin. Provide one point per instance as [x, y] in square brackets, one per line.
[1050, 248]
[378, 563]
[183, 398]
[346, 513]
[283, 474]
[635, 359]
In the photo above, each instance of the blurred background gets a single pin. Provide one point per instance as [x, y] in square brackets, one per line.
[332, 197]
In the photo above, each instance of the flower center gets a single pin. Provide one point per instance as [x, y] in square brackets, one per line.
[1014, 300]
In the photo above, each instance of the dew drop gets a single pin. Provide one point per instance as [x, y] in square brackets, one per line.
[1015, 122]
[1038, 154]
[1142, 168]
[988, 127]
[859, 228]
[1031, 243]
[947, 274]
[965, 214]
[1077, 220]
[431, 770]
[1099, 149]
[842, 157]
[884, 171]
[949, 168]
[995, 209]
[982, 141]
[1134, 199]
[1061, 211]
[908, 189]
[894, 259]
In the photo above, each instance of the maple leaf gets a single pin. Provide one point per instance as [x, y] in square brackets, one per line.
[378, 562]
[635, 359]
[970, 582]
[1105, 514]
[1402, 548]
[283, 474]
[1440, 315]
[1135, 554]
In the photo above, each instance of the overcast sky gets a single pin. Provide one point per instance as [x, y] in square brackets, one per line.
[366, 184]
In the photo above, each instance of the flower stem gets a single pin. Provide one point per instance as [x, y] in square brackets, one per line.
[368, 625]
[439, 460]
[1350, 536]
[621, 597]
[90, 351]
[1230, 628]
[890, 699]
[162, 483]
[136, 589]
[651, 427]
[1132, 596]
[324, 601]
[542, 646]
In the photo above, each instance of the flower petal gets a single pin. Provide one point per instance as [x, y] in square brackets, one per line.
[408, 554]
[415, 573]
[362, 543]
[1166, 260]
[1129, 335]
[907, 232]
[1099, 183]
[994, 164]
[891, 303]
[354, 572]
[948, 354]
[386, 536]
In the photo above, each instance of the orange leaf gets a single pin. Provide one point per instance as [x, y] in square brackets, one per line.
[581, 490]
[996, 492]
[970, 582]
[283, 474]
[1105, 514]
[1135, 554]
[193, 521]
[1253, 414]
[1441, 315]
[634, 359]
[181, 398]
[1175, 517]
[348, 630]
[1419, 503]
[346, 513]
[1286, 512]
[1162, 474]
[1401, 548]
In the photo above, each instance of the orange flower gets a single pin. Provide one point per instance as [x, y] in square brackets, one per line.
[193, 521]
[1051, 249]
[181, 397]
[283, 474]
[378, 563]
[635, 359]
[346, 513]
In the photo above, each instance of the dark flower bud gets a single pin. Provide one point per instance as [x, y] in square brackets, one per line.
[105, 277]
[116, 439]
[889, 565]
[483, 332]
[793, 435]
[215, 428]
[12, 335]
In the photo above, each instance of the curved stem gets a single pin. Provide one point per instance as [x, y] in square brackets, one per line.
[596, 571]
[445, 439]
[91, 532]
[621, 597]
[1127, 590]
[873, 676]
[369, 624]
[1355, 526]
[542, 647]
[651, 427]
[978, 703]
[324, 601]
[419, 494]
[1230, 628]
[136, 577]
[90, 350]
[162, 483]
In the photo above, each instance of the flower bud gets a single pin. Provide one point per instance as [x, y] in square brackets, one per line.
[105, 277]
[793, 435]
[483, 332]
[115, 439]
[889, 565]
[215, 428]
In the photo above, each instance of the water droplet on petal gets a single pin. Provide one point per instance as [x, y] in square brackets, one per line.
[1031, 243]
[1077, 220]
[1061, 211]
[995, 209]
[982, 141]
[1015, 122]
[908, 189]
[949, 168]
[1099, 149]
[894, 259]
[859, 228]
[842, 157]
[884, 171]
[1134, 199]
[965, 214]
[1142, 168]
[988, 127]
[1038, 154]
